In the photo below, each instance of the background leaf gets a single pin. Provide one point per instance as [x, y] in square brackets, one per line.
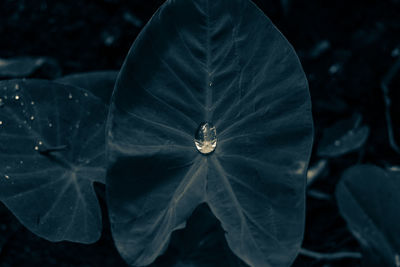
[22, 67]
[343, 137]
[222, 62]
[51, 152]
[369, 200]
[100, 83]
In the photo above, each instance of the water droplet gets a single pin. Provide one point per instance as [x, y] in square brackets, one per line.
[86, 94]
[32, 118]
[36, 148]
[70, 96]
[6, 176]
[1, 102]
[32, 103]
[1, 123]
[17, 86]
[205, 138]
[210, 84]
[50, 125]
[21, 162]
[17, 97]
[40, 143]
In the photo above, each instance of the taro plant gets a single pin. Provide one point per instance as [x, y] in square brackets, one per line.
[211, 106]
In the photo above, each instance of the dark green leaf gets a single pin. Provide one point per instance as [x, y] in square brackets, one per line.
[51, 152]
[23, 67]
[369, 200]
[343, 137]
[222, 62]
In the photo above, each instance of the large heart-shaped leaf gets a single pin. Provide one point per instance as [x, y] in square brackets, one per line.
[369, 200]
[221, 62]
[51, 152]
[100, 83]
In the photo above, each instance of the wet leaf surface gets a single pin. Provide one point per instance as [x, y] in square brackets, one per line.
[51, 153]
[223, 63]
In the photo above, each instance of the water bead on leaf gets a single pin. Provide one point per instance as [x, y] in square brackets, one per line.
[206, 138]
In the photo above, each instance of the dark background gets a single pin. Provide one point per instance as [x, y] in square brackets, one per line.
[346, 48]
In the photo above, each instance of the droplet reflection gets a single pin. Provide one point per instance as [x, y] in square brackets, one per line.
[205, 138]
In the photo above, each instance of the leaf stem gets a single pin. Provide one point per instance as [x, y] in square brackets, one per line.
[385, 90]
[48, 150]
[330, 256]
[318, 195]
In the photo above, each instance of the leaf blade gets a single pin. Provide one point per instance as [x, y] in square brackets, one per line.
[52, 193]
[208, 61]
[368, 200]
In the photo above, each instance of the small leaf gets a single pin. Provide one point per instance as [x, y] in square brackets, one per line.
[51, 152]
[100, 83]
[23, 67]
[369, 200]
[343, 137]
[223, 63]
